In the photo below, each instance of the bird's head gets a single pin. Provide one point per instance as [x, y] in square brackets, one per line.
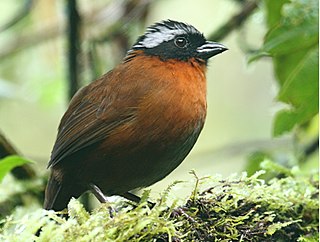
[176, 40]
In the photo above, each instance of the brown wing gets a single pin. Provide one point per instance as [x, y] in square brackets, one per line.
[90, 118]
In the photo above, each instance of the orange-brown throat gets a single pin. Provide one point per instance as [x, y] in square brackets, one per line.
[178, 87]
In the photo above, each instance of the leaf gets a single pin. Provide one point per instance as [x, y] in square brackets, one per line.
[283, 39]
[254, 162]
[301, 87]
[10, 162]
[284, 64]
[284, 121]
[301, 90]
[273, 13]
[274, 167]
[292, 42]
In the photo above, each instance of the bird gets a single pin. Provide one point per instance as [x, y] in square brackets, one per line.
[135, 124]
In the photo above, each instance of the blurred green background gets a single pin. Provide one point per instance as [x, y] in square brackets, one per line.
[34, 89]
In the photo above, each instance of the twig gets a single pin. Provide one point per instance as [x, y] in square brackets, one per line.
[73, 34]
[234, 22]
[32, 38]
[312, 147]
[33, 189]
[20, 15]
[23, 172]
[118, 32]
[90, 20]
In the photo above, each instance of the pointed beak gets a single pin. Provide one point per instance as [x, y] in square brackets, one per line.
[209, 49]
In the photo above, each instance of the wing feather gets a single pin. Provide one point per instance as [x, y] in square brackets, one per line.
[91, 121]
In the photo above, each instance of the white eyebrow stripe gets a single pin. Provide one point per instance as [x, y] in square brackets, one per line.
[153, 39]
[157, 34]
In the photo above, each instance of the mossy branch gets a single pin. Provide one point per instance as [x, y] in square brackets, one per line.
[239, 208]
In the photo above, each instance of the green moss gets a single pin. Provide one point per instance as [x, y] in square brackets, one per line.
[239, 208]
[248, 209]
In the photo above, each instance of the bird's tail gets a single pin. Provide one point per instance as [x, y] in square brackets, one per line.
[57, 195]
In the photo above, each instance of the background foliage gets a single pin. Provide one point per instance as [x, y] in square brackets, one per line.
[293, 43]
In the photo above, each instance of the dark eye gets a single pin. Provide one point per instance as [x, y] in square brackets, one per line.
[181, 42]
